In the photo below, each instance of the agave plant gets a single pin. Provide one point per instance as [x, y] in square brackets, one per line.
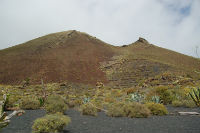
[195, 95]
[155, 99]
[136, 97]
[86, 100]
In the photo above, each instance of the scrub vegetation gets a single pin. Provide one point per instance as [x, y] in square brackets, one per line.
[136, 81]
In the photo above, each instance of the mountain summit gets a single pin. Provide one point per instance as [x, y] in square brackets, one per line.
[142, 40]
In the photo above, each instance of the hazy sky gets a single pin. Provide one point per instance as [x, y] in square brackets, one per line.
[172, 24]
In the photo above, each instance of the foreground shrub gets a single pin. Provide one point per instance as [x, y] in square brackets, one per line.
[165, 95]
[189, 104]
[116, 110]
[55, 104]
[128, 109]
[177, 103]
[29, 103]
[157, 109]
[50, 123]
[99, 105]
[136, 110]
[178, 93]
[184, 103]
[88, 109]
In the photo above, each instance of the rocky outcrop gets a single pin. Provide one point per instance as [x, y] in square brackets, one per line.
[142, 40]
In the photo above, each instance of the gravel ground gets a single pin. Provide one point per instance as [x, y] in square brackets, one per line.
[23, 123]
[102, 124]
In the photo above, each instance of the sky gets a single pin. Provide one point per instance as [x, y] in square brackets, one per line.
[172, 24]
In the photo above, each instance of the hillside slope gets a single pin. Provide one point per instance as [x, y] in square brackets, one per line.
[141, 60]
[66, 56]
[80, 58]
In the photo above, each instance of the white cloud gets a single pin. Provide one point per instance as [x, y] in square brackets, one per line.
[173, 24]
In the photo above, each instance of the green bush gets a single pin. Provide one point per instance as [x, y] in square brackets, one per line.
[128, 109]
[164, 93]
[136, 110]
[98, 104]
[184, 103]
[116, 110]
[177, 103]
[54, 104]
[189, 104]
[157, 109]
[29, 103]
[88, 109]
[50, 123]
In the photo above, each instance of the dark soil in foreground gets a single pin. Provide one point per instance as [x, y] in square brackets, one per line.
[172, 123]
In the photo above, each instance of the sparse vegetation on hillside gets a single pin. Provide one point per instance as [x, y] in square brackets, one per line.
[84, 73]
[123, 67]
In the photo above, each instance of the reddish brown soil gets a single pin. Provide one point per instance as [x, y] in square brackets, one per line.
[75, 59]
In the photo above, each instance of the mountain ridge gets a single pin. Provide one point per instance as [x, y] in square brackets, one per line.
[75, 56]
